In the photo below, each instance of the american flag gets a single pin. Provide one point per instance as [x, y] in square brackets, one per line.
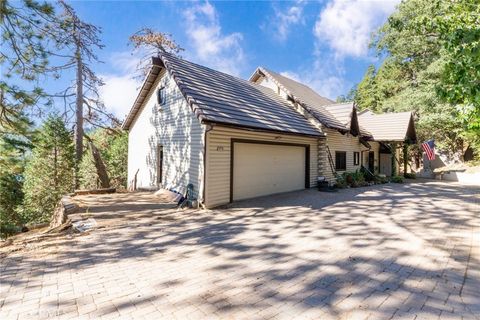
[429, 148]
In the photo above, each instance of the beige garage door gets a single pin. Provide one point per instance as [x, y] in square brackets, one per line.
[261, 169]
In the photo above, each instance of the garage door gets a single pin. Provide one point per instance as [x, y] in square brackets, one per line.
[262, 169]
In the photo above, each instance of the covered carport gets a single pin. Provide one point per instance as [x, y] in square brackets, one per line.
[395, 132]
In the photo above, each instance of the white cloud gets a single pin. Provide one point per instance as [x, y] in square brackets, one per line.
[210, 46]
[119, 93]
[282, 21]
[330, 86]
[120, 89]
[346, 26]
[124, 61]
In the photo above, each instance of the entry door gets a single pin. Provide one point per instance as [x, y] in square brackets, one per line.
[386, 164]
[371, 161]
[159, 165]
[262, 169]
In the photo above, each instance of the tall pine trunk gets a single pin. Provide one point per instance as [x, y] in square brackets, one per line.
[79, 117]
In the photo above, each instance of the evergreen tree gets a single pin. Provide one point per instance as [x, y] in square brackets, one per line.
[26, 29]
[113, 149]
[365, 95]
[49, 172]
[13, 148]
[117, 160]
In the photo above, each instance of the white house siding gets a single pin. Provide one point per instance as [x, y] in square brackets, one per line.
[176, 128]
[218, 159]
[266, 82]
[350, 144]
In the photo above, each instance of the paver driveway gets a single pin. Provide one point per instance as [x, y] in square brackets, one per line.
[402, 251]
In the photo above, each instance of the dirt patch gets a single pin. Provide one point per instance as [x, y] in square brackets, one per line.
[109, 211]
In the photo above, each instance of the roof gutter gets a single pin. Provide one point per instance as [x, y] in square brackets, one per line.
[228, 125]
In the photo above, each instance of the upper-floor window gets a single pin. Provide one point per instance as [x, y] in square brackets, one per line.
[340, 160]
[356, 158]
[161, 98]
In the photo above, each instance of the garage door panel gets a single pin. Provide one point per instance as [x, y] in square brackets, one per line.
[262, 169]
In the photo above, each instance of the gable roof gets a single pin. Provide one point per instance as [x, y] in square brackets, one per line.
[306, 96]
[143, 92]
[342, 111]
[346, 112]
[217, 97]
[389, 126]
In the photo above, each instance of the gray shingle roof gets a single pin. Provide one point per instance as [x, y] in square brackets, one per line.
[305, 95]
[389, 126]
[217, 97]
[346, 112]
[341, 111]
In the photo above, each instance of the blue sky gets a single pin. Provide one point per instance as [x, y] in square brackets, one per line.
[323, 44]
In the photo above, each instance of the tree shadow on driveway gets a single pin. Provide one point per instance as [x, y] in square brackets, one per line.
[384, 251]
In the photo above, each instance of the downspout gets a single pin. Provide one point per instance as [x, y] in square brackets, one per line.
[209, 128]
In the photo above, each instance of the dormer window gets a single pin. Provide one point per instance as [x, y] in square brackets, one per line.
[161, 98]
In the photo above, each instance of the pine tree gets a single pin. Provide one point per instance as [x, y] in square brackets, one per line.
[80, 40]
[50, 170]
[113, 150]
[26, 28]
[152, 43]
[13, 148]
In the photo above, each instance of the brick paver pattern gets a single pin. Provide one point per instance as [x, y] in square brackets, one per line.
[392, 251]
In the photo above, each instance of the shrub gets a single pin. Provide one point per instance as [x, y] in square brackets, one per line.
[369, 176]
[410, 175]
[380, 179]
[397, 179]
[340, 182]
[352, 179]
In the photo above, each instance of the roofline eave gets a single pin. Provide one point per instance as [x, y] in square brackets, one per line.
[252, 128]
[157, 64]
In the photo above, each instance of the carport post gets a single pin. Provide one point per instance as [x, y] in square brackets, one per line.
[393, 150]
[405, 158]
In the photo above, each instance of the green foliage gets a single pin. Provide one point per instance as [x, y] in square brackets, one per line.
[113, 149]
[409, 175]
[365, 94]
[380, 179]
[350, 179]
[340, 182]
[458, 29]
[117, 160]
[350, 96]
[13, 148]
[26, 28]
[413, 72]
[397, 179]
[49, 172]
[87, 172]
[11, 196]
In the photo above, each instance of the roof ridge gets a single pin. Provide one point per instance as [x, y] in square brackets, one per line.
[384, 114]
[302, 101]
